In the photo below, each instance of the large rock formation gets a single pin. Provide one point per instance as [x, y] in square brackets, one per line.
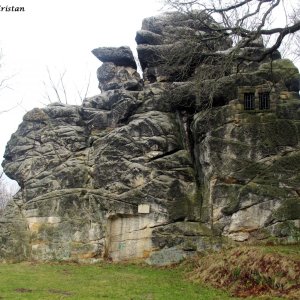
[141, 171]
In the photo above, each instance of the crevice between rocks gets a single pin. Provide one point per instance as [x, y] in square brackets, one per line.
[164, 154]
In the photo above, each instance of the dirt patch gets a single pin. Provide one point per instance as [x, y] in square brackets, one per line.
[66, 272]
[250, 272]
[60, 292]
[23, 290]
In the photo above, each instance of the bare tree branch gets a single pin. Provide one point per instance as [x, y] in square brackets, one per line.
[232, 7]
[11, 108]
[60, 91]
[7, 191]
[63, 86]
[237, 20]
[54, 86]
[230, 41]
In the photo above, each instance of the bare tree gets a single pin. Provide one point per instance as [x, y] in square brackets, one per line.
[56, 89]
[244, 21]
[230, 37]
[7, 191]
[4, 85]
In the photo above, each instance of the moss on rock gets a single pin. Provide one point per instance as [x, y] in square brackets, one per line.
[289, 210]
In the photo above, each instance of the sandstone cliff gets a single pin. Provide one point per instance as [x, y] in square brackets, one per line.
[142, 171]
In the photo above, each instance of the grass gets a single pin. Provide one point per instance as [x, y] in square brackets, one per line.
[104, 281]
[291, 251]
[269, 272]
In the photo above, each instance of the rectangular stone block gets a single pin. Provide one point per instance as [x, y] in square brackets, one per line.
[144, 209]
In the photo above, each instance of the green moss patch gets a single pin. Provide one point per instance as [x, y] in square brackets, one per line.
[289, 210]
[280, 70]
[285, 169]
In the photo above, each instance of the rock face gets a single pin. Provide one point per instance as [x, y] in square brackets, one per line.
[121, 56]
[139, 171]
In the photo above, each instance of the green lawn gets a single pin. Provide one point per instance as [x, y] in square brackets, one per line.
[123, 281]
[131, 281]
[102, 281]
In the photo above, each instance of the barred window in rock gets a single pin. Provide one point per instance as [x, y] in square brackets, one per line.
[264, 100]
[249, 101]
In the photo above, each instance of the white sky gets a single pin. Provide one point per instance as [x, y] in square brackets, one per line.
[59, 34]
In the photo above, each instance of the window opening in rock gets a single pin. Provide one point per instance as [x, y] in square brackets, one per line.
[264, 100]
[249, 103]
[151, 78]
[219, 101]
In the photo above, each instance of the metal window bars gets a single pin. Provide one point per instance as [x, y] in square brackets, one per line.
[249, 103]
[264, 100]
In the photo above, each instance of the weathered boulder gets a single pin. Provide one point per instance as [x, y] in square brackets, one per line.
[113, 77]
[146, 171]
[148, 37]
[168, 45]
[284, 72]
[118, 70]
[120, 56]
[85, 173]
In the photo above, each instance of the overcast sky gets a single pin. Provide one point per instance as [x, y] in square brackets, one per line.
[59, 35]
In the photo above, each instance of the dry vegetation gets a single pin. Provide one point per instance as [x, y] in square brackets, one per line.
[252, 271]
